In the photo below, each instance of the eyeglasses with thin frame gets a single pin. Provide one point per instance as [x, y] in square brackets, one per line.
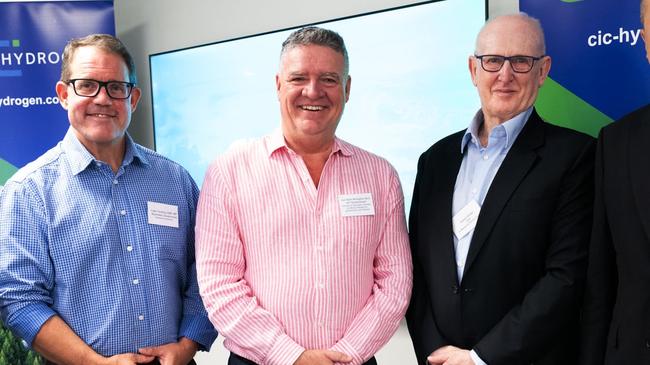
[90, 88]
[518, 63]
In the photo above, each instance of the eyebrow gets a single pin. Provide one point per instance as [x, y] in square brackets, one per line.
[332, 74]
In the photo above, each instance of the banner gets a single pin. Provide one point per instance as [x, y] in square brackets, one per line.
[599, 71]
[32, 37]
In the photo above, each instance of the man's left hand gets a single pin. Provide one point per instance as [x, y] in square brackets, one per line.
[178, 353]
[450, 355]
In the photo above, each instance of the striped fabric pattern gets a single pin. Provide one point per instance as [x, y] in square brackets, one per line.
[281, 270]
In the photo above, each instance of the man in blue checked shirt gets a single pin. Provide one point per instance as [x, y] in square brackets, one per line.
[96, 235]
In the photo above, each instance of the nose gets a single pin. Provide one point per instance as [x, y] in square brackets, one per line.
[102, 97]
[506, 72]
[312, 90]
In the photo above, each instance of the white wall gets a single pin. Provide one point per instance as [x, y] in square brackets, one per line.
[152, 26]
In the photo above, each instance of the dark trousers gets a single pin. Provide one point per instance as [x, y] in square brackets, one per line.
[238, 360]
[155, 362]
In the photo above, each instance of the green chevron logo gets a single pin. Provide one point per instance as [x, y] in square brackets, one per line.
[6, 170]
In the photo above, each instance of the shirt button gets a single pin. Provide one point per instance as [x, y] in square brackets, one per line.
[122, 212]
[115, 182]
[485, 157]
[319, 248]
[141, 317]
[321, 285]
[129, 248]
[136, 281]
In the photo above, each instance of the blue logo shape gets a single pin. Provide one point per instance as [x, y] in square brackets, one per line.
[4, 43]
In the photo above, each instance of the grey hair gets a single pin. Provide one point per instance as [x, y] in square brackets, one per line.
[533, 22]
[105, 42]
[320, 37]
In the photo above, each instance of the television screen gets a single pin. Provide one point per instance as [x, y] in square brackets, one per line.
[410, 86]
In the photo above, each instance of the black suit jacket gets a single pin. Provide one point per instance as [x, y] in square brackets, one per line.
[522, 283]
[616, 318]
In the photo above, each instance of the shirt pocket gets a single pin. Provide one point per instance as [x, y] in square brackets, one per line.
[361, 237]
[167, 243]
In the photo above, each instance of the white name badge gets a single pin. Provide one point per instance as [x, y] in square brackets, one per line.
[465, 220]
[353, 205]
[162, 214]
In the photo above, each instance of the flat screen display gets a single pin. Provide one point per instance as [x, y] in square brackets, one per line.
[410, 86]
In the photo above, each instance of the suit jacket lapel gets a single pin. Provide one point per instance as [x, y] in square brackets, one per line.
[440, 203]
[515, 167]
[639, 162]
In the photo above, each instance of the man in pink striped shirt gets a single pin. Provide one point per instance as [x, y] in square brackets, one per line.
[302, 250]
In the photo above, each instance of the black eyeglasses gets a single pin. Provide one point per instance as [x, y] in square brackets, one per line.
[519, 64]
[90, 88]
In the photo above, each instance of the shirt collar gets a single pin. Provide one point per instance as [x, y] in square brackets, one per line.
[80, 158]
[277, 142]
[512, 128]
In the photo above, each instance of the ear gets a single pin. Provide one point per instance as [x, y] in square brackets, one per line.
[135, 97]
[544, 69]
[347, 88]
[277, 84]
[62, 93]
[472, 63]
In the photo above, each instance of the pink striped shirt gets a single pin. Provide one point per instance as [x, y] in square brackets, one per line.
[281, 270]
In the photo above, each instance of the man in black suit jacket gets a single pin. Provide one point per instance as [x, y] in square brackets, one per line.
[616, 318]
[500, 219]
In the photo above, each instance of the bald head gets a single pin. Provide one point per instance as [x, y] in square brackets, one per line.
[520, 21]
[509, 90]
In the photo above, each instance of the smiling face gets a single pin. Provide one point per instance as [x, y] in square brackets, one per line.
[312, 88]
[504, 93]
[99, 122]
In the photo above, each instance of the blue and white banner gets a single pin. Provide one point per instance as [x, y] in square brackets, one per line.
[599, 72]
[32, 38]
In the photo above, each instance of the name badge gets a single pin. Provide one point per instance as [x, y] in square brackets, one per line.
[354, 205]
[465, 220]
[162, 214]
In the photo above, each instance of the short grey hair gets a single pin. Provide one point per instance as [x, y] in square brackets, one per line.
[105, 42]
[320, 37]
[533, 22]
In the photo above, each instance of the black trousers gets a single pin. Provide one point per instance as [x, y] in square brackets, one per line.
[238, 360]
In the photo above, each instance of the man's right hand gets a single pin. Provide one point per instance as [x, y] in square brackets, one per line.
[322, 357]
[127, 359]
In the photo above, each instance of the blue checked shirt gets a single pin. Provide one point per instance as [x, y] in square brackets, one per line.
[75, 241]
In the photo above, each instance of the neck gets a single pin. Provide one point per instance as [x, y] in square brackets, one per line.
[484, 130]
[314, 153]
[112, 154]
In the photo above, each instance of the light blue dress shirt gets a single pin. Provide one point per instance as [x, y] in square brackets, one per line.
[75, 240]
[477, 170]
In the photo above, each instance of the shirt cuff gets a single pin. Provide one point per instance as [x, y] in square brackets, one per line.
[477, 360]
[28, 320]
[345, 347]
[284, 351]
[198, 329]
